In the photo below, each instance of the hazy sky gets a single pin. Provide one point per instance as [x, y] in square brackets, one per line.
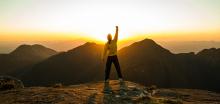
[72, 19]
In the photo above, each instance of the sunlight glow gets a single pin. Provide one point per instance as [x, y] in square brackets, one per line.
[95, 19]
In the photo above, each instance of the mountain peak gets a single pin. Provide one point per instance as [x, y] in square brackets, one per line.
[90, 43]
[211, 50]
[87, 46]
[117, 93]
[28, 46]
[146, 40]
[36, 50]
[212, 53]
[146, 45]
[89, 93]
[29, 49]
[21, 47]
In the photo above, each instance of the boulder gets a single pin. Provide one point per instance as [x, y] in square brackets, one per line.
[8, 83]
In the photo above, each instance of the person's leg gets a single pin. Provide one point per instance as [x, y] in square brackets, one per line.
[108, 68]
[117, 66]
[118, 69]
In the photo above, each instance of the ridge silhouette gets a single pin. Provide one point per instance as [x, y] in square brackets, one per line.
[143, 62]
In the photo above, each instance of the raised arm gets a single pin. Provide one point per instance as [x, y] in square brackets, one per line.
[116, 34]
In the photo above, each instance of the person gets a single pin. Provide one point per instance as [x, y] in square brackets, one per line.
[110, 52]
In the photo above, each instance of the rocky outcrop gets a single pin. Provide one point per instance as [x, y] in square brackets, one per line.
[119, 93]
[7, 83]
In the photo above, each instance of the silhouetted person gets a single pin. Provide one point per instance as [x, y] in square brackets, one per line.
[110, 51]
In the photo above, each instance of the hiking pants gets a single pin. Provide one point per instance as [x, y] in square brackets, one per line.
[110, 60]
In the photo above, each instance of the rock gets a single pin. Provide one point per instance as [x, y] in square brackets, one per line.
[57, 85]
[151, 90]
[117, 96]
[142, 95]
[7, 83]
[170, 101]
[92, 93]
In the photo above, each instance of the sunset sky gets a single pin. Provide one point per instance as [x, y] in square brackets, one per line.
[36, 20]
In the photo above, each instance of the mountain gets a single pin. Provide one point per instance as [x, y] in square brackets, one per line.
[23, 56]
[92, 93]
[211, 65]
[36, 51]
[144, 62]
[148, 63]
[81, 64]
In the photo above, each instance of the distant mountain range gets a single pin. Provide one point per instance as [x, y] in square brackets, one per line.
[188, 46]
[144, 62]
[173, 46]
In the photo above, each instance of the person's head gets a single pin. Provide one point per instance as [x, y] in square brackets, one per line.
[109, 37]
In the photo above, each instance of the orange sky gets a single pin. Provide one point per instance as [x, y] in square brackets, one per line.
[170, 20]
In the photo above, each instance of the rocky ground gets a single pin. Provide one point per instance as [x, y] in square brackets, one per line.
[92, 93]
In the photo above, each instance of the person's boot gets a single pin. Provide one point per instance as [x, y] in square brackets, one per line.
[122, 84]
[121, 80]
[107, 88]
[107, 81]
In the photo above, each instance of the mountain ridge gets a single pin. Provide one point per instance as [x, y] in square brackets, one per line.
[144, 62]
